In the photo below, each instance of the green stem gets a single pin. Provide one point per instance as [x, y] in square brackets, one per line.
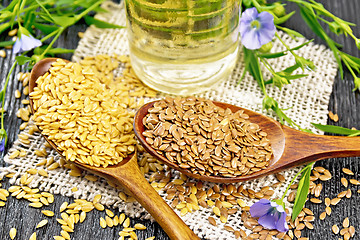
[92, 7]
[285, 45]
[59, 32]
[4, 89]
[45, 10]
[256, 4]
[288, 187]
[262, 86]
[49, 35]
[348, 66]
[267, 65]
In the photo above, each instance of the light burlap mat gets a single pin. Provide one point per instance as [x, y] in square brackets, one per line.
[306, 100]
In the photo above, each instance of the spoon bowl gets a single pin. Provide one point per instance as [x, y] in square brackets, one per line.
[127, 174]
[290, 147]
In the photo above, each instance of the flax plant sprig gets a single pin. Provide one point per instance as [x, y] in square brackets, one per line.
[47, 20]
[257, 29]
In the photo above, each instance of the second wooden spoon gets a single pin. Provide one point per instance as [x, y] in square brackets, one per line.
[290, 147]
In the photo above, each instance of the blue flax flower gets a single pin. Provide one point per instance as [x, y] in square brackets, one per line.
[2, 144]
[271, 215]
[26, 43]
[256, 29]
[3, 139]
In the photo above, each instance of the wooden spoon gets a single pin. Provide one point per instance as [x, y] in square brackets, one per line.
[127, 174]
[290, 147]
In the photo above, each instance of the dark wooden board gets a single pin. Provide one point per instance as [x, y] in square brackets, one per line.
[344, 102]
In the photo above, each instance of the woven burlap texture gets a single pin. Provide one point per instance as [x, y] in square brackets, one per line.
[306, 101]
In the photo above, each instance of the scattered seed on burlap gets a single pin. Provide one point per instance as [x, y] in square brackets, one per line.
[212, 221]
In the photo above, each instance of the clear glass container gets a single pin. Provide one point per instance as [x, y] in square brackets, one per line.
[182, 47]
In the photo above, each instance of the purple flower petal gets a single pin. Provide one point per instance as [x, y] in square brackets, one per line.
[26, 43]
[269, 220]
[281, 224]
[265, 17]
[249, 14]
[251, 40]
[2, 145]
[260, 208]
[17, 45]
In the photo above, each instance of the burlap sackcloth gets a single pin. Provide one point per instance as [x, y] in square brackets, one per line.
[306, 101]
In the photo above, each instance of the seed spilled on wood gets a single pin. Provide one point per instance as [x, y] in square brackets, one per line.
[347, 171]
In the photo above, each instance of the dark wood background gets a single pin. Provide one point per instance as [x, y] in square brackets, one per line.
[344, 102]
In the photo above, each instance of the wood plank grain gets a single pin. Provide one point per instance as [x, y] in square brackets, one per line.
[343, 101]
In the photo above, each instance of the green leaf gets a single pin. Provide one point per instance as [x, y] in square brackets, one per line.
[283, 19]
[354, 62]
[10, 7]
[5, 15]
[100, 24]
[290, 32]
[310, 18]
[302, 192]
[273, 55]
[29, 19]
[6, 43]
[97, 9]
[336, 51]
[4, 26]
[291, 69]
[253, 66]
[283, 53]
[2, 95]
[22, 59]
[336, 129]
[295, 76]
[45, 28]
[52, 51]
[64, 21]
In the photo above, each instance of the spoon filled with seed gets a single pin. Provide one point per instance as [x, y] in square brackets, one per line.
[90, 126]
[219, 142]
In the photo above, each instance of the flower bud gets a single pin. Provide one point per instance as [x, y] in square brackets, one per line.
[357, 84]
[37, 58]
[266, 47]
[269, 103]
[357, 42]
[335, 28]
[279, 10]
[2, 133]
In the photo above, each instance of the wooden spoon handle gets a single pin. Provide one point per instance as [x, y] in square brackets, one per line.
[130, 177]
[304, 147]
